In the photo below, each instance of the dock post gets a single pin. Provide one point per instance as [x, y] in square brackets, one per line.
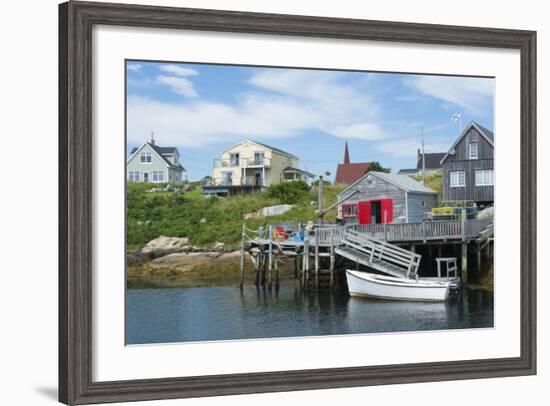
[331, 269]
[305, 259]
[478, 258]
[258, 267]
[243, 237]
[276, 266]
[270, 259]
[317, 259]
[464, 263]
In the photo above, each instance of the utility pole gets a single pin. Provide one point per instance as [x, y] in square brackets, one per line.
[423, 158]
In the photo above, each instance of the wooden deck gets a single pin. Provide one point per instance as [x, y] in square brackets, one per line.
[410, 232]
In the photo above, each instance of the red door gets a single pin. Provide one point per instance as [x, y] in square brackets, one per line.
[387, 210]
[364, 212]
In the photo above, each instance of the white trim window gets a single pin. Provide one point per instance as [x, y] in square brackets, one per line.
[133, 176]
[458, 178]
[485, 177]
[158, 176]
[472, 150]
[145, 157]
[349, 210]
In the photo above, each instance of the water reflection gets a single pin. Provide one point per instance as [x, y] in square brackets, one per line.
[225, 313]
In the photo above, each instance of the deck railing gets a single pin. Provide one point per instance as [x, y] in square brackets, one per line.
[425, 231]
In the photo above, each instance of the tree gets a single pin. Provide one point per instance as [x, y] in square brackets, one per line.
[375, 166]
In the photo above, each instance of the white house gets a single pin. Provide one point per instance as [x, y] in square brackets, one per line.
[155, 164]
[250, 166]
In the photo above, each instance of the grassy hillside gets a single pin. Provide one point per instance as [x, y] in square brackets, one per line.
[434, 181]
[208, 220]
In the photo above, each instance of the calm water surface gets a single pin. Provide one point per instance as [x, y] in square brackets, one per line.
[226, 313]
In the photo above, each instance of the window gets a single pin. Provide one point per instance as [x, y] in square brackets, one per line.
[485, 177]
[458, 178]
[158, 176]
[145, 157]
[258, 158]
[349, 210]
[234, 159]
[472, 150]
[133, 176]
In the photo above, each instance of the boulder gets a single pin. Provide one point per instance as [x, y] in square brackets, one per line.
[218, 245]
[164, 245]
[135, 258]
[187, 261]
[276, 210]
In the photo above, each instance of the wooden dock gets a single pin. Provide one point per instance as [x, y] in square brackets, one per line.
[315, 248]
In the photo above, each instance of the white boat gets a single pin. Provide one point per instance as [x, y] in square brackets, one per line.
[387, 287]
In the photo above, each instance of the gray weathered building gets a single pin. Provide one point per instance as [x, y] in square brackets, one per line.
[380, 197]
[468, 167]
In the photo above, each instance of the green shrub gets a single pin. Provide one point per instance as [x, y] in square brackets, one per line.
[289, 192]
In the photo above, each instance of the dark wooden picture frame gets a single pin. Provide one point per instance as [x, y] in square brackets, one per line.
[76, 20]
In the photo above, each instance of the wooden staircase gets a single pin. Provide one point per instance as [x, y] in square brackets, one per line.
[379, 255]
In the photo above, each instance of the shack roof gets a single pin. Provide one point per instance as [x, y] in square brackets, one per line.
[403, 182]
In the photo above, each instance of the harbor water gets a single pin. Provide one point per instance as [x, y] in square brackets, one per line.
[228, 313]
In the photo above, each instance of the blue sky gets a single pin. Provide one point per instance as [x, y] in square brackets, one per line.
[202, 109]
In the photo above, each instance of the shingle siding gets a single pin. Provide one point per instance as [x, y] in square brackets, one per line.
[380, 188]
[460, 161]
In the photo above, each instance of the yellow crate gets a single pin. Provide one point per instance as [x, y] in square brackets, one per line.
[443, 211]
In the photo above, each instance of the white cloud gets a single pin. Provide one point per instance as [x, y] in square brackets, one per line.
[134, 66]
[178, 85]
[178, 70]
[407, 147]
[472, 94]
[281, 104]
[365, 131]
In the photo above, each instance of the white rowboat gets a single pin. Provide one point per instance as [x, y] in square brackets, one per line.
[387, 287]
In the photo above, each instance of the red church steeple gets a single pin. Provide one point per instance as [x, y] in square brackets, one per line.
[346, 154]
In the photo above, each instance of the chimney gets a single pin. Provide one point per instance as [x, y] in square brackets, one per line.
[418, 154]
[346, 154]
[152, 140]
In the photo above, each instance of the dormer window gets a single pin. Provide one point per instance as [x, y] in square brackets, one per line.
[472, 150]
[145, 157]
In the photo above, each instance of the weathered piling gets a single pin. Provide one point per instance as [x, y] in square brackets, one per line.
[464, 263]
[270, 257]
[305, 259]
[317, 260]
[243, 238]
[331, 266]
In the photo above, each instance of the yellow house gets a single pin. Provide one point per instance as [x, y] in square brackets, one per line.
[250, 166]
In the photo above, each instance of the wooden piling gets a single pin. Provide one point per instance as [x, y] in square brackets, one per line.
[243, 237]
[464, 263]
[269, 258]
[276, 272]
[478, 258]
[332, 270]
[317, 260]
[257, 266]
[305, 259]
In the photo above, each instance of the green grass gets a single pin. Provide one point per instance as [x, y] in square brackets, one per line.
[150, 215]
[434, 181]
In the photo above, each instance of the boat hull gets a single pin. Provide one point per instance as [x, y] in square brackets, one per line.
[365, 284]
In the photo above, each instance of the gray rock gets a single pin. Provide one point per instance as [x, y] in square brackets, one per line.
[269, 211]
[164, 245]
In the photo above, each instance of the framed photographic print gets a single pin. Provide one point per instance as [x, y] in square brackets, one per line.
[259, 202]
